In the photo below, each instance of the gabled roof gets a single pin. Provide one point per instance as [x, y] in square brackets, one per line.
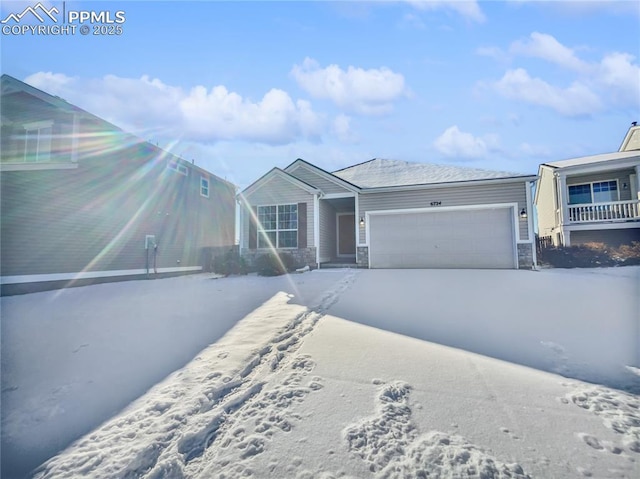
[329, 176]
[379, 173]
[594, 159]
[278, 173]
[632, 139]
[10, 86]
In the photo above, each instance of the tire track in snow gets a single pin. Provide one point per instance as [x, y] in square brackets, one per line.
[167, 432]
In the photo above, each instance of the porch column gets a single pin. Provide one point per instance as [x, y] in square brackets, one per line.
[561, 186]
[316, 227]
[637, 185]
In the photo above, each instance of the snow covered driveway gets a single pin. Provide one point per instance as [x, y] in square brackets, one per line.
[299, 389]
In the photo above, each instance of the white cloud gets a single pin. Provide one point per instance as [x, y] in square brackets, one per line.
[492, 52]
[368, 92]
[612, 82]
[342, 129]
[586, 7]
[146, 104]
[535, 150]
[598, 85]
[469, 9]
[410, 20]
[454, 143]
[576, 100]
[621, 76]
[546, 47]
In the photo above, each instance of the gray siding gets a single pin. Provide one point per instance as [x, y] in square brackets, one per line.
[278, 191]
[450, 196]
[311, 177]
[546, 202]
[622, 176]
[95, 217]
[327, 231]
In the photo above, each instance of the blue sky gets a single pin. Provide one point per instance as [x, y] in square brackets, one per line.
[241, 87]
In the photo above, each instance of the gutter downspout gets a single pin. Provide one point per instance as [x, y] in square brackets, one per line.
[316, 226]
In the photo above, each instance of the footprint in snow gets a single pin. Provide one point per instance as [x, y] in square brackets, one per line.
[390, 444]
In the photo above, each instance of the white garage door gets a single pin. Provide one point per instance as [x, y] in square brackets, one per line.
[476, 238]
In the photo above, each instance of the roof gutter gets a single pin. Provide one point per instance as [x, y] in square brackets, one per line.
[597, 167]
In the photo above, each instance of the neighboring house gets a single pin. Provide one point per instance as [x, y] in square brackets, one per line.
[83, 201]
[391, 214]
[592, 199]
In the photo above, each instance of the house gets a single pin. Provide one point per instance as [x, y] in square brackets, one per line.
[592, 199]
[390, 214]
[83, 201]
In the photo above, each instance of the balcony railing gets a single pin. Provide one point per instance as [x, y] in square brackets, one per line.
[612, 211]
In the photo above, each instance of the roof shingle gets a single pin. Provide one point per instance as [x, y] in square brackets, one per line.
[379, 172]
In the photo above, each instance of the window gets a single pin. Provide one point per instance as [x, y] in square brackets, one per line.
[178, 167]
[204, 186]
[597, 192]
[37, 142]
[579, 194]
[605, 191]
[278, 226]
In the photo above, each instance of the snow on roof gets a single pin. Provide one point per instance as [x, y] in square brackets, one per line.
[588, 160]
[380, 172]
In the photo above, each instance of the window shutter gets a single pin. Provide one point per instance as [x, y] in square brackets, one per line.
[253, 228]
[302, 225]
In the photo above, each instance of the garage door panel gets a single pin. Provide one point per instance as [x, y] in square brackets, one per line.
[480, 238]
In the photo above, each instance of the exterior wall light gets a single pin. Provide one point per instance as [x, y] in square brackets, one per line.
[362, 221]
[523, 214]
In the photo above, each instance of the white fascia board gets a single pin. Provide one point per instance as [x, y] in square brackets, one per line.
[453, 184]
[332, 196]
[610, 165]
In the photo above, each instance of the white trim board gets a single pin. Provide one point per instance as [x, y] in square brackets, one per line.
[443, 209]
[37, 166]
[600, 226]
[333, 196]
[40, 278]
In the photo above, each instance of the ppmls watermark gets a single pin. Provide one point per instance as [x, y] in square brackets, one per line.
[40, 20]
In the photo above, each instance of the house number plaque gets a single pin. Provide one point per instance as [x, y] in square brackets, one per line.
[436, 203]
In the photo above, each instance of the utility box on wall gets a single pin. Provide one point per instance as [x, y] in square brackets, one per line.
[150, 242]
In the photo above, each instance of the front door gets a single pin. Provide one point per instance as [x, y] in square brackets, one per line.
[346, 234]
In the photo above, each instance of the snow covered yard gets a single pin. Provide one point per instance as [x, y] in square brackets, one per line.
[73, 358]
[582, 323]
[299, 388]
